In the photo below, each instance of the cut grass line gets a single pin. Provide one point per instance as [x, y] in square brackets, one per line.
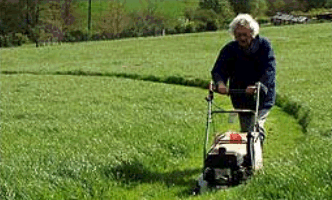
[296, 109]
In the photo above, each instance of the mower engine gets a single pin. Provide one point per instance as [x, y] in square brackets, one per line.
[227, 161]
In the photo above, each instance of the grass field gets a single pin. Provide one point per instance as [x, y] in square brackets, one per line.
[302, 56]
[109, 137]
[89, 137]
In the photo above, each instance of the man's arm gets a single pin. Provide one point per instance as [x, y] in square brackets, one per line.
[268, 74]
[220, 71]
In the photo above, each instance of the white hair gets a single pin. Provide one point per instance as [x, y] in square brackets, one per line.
[244, 20]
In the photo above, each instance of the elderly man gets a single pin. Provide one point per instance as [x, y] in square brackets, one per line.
[243, 62]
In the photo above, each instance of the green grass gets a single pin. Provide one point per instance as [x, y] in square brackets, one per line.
[158, 56]
[99, 137]
[61, 131]
[302, 56]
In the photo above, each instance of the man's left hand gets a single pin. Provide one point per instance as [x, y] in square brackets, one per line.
[251, 89]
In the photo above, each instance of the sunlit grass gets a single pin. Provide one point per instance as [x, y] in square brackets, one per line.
[99, 137]
[91, 137]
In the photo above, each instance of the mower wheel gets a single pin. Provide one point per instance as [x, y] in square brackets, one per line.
[196, 191]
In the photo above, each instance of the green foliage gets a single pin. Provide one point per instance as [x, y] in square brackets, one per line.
[317, 11]
[75, 36]
[206, 19]
[258, 8]
[144, 24]
[328, 4]
[22, 38]
[226, 16]
[312, 13]
[279, 5]
[227, 11]
[222, 8]
[263, 20]
[240, 6]
[211, 5]
[319, 3]
[115, 21]
[12, 40]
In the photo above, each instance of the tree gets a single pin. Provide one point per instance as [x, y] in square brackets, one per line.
[115, 20]
[227, 11]
[328, 4]
[317, 3]
[10, 17]
[278, 5]
[68, 13]
[258, 8]
[58, 20]
[214, 13]
[31, 9]
[240, 6]
[210, 4]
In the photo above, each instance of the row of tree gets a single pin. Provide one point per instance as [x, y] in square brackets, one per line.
[61, 20]
[264, 7]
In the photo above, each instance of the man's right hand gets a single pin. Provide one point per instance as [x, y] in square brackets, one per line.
[222, 89]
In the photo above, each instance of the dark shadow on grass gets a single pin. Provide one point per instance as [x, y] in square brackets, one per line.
[135, 173]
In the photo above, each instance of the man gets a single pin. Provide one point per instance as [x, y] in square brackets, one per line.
[243, 62]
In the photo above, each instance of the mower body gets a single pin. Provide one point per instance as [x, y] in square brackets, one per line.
[229, 161]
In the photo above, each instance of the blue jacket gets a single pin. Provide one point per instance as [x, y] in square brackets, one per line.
[246, 67]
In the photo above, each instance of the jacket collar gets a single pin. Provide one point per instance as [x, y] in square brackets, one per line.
[253, 47]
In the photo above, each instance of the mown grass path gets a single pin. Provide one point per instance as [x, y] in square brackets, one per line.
[98, 137]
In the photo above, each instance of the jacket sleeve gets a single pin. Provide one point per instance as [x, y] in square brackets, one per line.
[220, 71]
[268, 61]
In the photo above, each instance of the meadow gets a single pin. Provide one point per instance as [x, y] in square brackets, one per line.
[99, 120]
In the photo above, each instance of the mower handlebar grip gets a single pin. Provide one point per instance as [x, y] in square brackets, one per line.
[263, 87]
[212, 88]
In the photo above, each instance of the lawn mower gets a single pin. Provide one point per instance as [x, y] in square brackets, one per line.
[233, 156]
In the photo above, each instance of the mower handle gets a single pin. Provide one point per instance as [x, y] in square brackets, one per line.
[234, 111]
[212, 88]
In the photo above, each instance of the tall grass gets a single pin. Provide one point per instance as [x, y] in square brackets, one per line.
[100, 137]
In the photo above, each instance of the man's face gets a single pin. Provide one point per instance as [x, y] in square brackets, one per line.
[243, 36]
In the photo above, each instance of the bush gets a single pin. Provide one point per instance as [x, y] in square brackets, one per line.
[262, 20]
[127, 33]
[75, 36]
[22, 38]
[190, 27]
[170, 30]
[323, 21]
[180, 26]
[207, 19]
[315, 21]
[13, 39]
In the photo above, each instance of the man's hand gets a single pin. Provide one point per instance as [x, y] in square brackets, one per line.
[251, 89]
[222, 89]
